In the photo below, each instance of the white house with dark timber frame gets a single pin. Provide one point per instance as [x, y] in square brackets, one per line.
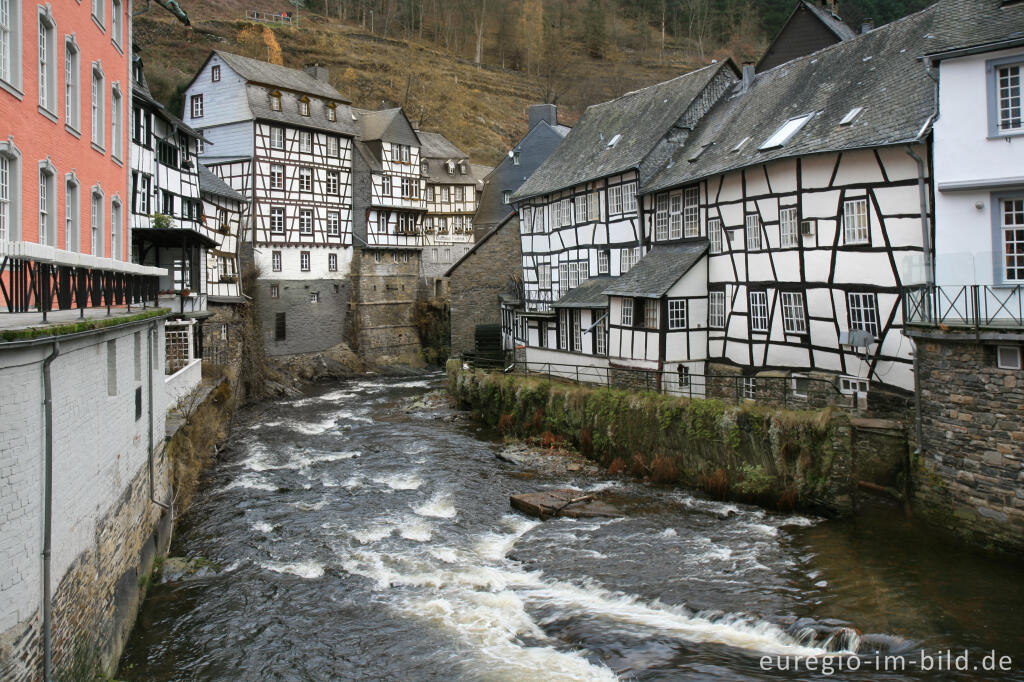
[224, 211]
[451, 200]
[284, 138]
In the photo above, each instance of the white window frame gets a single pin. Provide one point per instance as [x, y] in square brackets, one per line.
[795, 382]
[749, 388]
[1005, 96]
[277, 137]
[615, 200]
[277, 219]
[116, 228]
[117, 123]
[794, 316]
[275, 101]
[582, 208]
[97, 103]
[600, 331]
[1010, 232]
[691, 212]
[196, 105]
[752, 229]
[275, 261]
[96, 221]
[563, 329]
[98, 14]
[661, 217]
[276, 176]
[629, 197]
[333, 146]
[303, 106]
[789, 227]
[47, 203]
[1008, 357]
[332, 262]
[11, 29]
[544, 276]
[856, 222]
[72, 84]
[862, 309]
[715, 234]
[72, 212]
[386, 187]
[46, 63]
[626, 313]
[305, 179]
[305, 142]
[786, 131]
[758, 311]
[333, 224]
[602, 262]
[116, 24]
[215, 73]
[716, 309]
[304, 261]
[306, 221]
[565, 211]
[333, 182]
[850, 385]
[677, 313]
[577, 330]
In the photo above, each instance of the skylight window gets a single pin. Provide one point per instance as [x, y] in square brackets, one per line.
[612, 142]
[787, 131]
[700, 152]
[739, 145]
[850, 115]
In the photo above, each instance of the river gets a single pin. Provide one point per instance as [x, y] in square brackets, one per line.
[359, 540]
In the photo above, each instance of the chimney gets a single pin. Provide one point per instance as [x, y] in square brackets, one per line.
[318, 72]
[543, 112]
[831, 6]
[748, 75]
[867, 26]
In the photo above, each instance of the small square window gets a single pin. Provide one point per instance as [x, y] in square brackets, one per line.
[1008, 357]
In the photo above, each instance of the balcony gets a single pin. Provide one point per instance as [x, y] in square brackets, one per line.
[975, 306]
[539, 301]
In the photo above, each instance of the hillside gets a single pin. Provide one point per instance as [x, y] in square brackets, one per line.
[481, 108]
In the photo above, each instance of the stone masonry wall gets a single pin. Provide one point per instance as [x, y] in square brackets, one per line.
[385, 297]
[477, 281]
[310, 326]
[970, 476]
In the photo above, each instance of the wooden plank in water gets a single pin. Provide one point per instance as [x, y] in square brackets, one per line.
[563, 502]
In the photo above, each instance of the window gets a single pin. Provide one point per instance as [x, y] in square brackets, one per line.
[582, 209]
[615, 199]
[863, 311]
[275, 291]
[305, 221]
[276, 138]
[676, 216]
[167, 206]
[332, 112]
[97, 106]
[661, 217]
[629, 197]
[565, 213]
[277, 176]
[506, 197]
[280, 327]
[141, 127]
[787, 131]
[116, 124]
[116, 247]
[382, 221]
[275, 101]
[304, 106]
[47, 204]
[794, 321]
[855, 221]
[96, 222]
[10, 43]
[1011, 218]
[691, 212]
[627, 312]
[758, 311]
[305, 180]
[333, 182]
[577, 330]
[215, 73]
[602, 262]
[167, 153]
[71, 211]
[1008, 357]
[651, 313]
[677, 314]
[563, 330]
[277, 220]
[716, 309]
[385, 185]
[410, 188]
[305, 142]
[753, 230]
[789, 230]
[275, 261]
[715, 234]
[515, 158]
[749, 388]
[333, 224]
[799, 385]
[196, 104]
[403, 153]
[145, 194]
[563, 278]
[853, 386]
[97, 12]
[544, 276]
[116, 21]
[332, 262]
[314, 297]
[1005, 96]
[72, 115]
[850, 115]
[628, 258]
[47, 62]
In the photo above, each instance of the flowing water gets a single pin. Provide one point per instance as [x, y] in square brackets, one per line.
[361, 541]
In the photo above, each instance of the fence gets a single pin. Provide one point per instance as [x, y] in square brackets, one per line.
[181, 347]
[972, 305]
[269, 17]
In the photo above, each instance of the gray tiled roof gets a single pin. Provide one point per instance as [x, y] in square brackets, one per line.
[211, 184]
[642, 118]
[480, 173]
[435, 150]
[657, 271]
[831, 21]
[389, 125]
[265, 73]
[879, 71]
[259, 105]
[589, 294]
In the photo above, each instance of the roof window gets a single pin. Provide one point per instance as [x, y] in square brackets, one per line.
[786, 132]
[850, 115]
[739, 145]
[701, 151]
[275, 100]
[612, 142]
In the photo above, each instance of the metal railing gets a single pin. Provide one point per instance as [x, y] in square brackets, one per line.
[971, 305]
[268, 17]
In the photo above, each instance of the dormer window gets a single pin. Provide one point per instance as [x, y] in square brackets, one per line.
[404, 153]
[462, 168]
[304, 106]
[424, 167]
[450, 167]
[275, 101]
[332, 111]
[786, 132]
[515, 158]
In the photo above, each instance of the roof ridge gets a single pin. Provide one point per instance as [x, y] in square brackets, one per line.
[655, 85]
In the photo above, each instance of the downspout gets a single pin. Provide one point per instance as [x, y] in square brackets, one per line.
[149, 449]
[929, 279]
[48, 508]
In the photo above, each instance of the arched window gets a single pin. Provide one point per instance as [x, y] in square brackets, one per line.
[96, 221]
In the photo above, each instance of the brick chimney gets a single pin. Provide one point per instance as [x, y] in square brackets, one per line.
[543, 112]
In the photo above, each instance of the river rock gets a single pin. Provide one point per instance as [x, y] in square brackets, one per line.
[574, 504]
[182, 568]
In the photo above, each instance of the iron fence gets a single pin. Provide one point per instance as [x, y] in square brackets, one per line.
[970, 305]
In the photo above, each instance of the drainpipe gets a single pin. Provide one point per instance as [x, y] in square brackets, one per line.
[48, 508]
[149, 449]
[929, 279]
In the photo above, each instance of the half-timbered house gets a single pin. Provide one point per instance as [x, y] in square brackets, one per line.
[223, 213]
[283, 138]
[450, 196]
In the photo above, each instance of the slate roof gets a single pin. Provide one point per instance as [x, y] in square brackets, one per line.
[277, 76]
[589, 294]
[641, 117]
[259, 105]
[831, 21]
[879, 71]
[490, 233]
[368, 156]
[211, 184]
[389, 125]
[658, 270]
[435, 150]
[480, 173]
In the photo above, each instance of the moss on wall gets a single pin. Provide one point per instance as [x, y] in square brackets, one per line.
[777, 458]
[76, 327]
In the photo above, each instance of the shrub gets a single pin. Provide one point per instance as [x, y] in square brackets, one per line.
[664, 470]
